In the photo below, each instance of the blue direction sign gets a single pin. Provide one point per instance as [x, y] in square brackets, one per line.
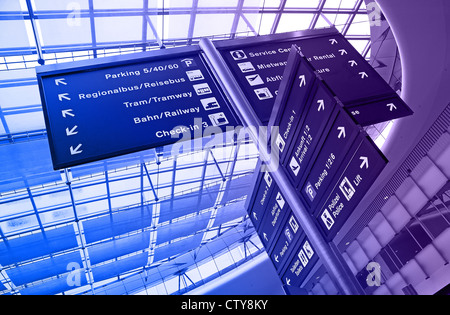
[100, 109]
[265, 187]
[302, 260]
[287, 238]
[258, 65]
[325, 167]
[273, 218]
[321, 109]
[362, 167]
[291, 104]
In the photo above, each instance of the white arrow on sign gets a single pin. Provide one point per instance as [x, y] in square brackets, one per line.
[60, 81]
[391, 106]
[365, 162]
[71, 132]
[341, 132]
[288, 281]
[343, 52]
[265, 237]
[321, 105]
[333, 41]
[353, 63]
[302, 80]
[276, 258]
[254, 215]
[68, 112]
[363, 75]
[76, 150]
[64, 96]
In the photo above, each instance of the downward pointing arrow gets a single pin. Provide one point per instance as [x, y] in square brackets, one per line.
[343, 52]
[391, 106]
[60, 81]
[76, 150]
[341, 132]
[64, 96]
[321, 105]
[68, 112]
[71, 132]
[363, 75]
[353, 63]
[365, 162]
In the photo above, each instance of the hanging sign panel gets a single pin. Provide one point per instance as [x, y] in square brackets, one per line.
[101, 109]
[362, 167]
[258, 65]
[302, 261]
[288, 236]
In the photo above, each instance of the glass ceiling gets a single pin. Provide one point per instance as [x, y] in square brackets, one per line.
[147, 223]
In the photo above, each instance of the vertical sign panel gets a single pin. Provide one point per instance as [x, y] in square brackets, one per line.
[293, 110]
[356, 177]
[264, 190]
[101, 111]
[302, 261]
[338, 141]
[288, 236]
[273, 218]
[321, 109]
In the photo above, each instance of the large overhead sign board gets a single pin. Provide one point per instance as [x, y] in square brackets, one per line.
[116, 106]
[258, 65]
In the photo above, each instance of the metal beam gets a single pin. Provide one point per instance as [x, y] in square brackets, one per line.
[237, 17]
[278, 17]
[192, 22]
[80, 235]
[92, 22]
[41, 60]
[352, 17]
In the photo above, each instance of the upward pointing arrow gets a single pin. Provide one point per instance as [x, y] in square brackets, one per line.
[60, 81]
[341, 132]
[343, 52]
[391, 106]
[363, 75]
[254, 215]
[302, 80]
[321, 105]
[365, 162]
[265, 237]
[333, 41]
[353, 63]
